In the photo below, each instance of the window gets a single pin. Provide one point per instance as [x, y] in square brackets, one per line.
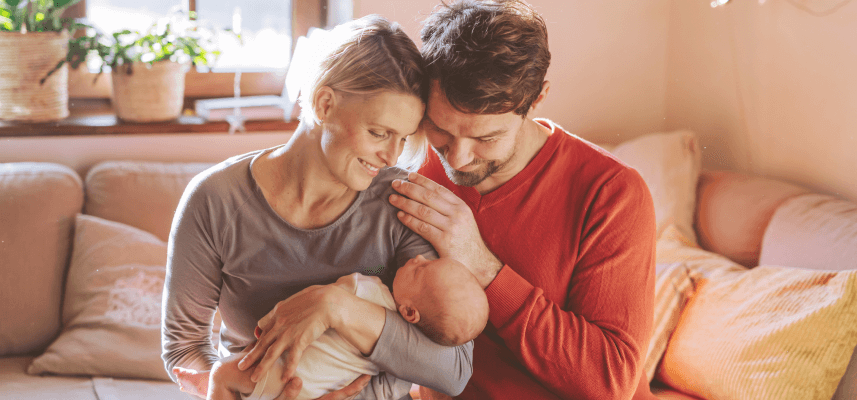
[268, 29]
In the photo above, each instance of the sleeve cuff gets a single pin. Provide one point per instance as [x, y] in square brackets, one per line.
[506, 294]
[384, 347]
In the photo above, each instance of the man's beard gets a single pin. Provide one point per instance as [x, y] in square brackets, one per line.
[472, 178]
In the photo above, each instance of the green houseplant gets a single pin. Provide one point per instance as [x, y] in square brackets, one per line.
[147, 68]
[33, 41]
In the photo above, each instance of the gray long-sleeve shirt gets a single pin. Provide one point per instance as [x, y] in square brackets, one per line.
[229, 249]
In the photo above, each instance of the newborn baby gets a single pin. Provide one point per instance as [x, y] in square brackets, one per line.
[440, 296]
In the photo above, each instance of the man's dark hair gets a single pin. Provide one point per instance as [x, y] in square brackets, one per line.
[490, 57]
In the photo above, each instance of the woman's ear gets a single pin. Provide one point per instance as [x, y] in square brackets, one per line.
[409, 313]
[323, 103]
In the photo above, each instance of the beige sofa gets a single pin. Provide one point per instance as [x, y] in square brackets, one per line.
[739, 216]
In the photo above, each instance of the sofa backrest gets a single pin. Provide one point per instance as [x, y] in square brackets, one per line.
[140, 194]
[38, 202]
[733, 210]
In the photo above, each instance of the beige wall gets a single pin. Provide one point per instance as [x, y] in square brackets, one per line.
[607, 74]
[608, 61]
[771, 88]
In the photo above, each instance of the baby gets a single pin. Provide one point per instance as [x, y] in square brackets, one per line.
[440, 296]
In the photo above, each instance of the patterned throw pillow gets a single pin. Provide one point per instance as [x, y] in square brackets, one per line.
[112, 308]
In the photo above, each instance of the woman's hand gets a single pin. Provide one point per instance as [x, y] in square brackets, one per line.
[349, 392]
[227, 382]
[192, 381]
[289, 328]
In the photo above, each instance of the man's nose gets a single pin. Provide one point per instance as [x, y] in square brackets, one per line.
[458, 154]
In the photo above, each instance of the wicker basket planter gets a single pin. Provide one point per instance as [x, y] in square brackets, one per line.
[25, 58]
[149, 93]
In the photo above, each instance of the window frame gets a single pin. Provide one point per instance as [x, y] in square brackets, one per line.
[198, 85]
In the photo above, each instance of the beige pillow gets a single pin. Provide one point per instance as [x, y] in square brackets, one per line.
[812, 231]
[112, 309]
[764, 333]
[669, 164]
[673, 287]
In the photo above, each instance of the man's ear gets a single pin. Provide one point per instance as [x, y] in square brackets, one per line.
[323, 103]
[409, 313]
[546, 87]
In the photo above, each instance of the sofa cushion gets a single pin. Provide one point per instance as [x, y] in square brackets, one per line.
[141, 194]
[766, 332]
[733, 210]
[15, 384]
[818, 232]
[112, 308]
[673, 287]
[38, 202]
[669, 164]
[812, 231]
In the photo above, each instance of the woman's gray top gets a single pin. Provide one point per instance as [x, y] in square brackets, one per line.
[229, 249]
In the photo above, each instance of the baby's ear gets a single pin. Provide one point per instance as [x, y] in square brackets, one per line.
[409, 313]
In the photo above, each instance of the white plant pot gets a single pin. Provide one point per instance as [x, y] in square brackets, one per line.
[25, 58]
[150, 93]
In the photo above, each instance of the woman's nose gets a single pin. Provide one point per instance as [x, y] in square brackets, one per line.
[390, 153]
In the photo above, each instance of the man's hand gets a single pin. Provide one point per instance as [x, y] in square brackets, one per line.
[447, 223]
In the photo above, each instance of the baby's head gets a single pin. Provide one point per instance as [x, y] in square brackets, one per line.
[442, 298]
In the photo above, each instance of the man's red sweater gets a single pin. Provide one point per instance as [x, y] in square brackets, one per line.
[571, 310]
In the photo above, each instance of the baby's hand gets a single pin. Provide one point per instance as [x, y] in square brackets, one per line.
[192, 381]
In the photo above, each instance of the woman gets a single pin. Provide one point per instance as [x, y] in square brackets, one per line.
[260, 227]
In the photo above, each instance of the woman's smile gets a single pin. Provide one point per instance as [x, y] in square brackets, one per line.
[370, 169]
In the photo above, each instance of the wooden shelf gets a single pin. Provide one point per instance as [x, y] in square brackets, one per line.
[96, 117]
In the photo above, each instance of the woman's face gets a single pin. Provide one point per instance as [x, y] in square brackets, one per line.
[363, 133]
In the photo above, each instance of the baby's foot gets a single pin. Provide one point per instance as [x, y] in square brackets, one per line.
[192, 381]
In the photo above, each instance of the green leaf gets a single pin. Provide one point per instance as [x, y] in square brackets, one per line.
[63, 4]
[11, 3]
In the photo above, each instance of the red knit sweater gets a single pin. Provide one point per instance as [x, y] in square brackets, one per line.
[571, 310]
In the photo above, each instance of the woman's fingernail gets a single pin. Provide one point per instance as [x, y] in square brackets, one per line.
[393, 197]
[242, 363]
[397, 183]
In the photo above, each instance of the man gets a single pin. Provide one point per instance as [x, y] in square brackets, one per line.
[560, 234]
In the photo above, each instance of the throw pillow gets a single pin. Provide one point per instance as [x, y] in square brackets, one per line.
[673, 287]
[112, 308]
[669, 164]
[763, 333]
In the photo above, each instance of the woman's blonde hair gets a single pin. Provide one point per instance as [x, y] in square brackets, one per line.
[368, 56]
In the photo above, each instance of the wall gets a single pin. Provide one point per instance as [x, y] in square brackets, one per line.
[770, 87]
[608, 61]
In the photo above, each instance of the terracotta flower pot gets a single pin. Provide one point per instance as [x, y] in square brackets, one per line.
[25, 58]
[149, 93]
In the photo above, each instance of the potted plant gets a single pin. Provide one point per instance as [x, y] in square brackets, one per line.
[33, 40]
[148, 68]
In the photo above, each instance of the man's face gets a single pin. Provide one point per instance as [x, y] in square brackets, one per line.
[475, 149]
